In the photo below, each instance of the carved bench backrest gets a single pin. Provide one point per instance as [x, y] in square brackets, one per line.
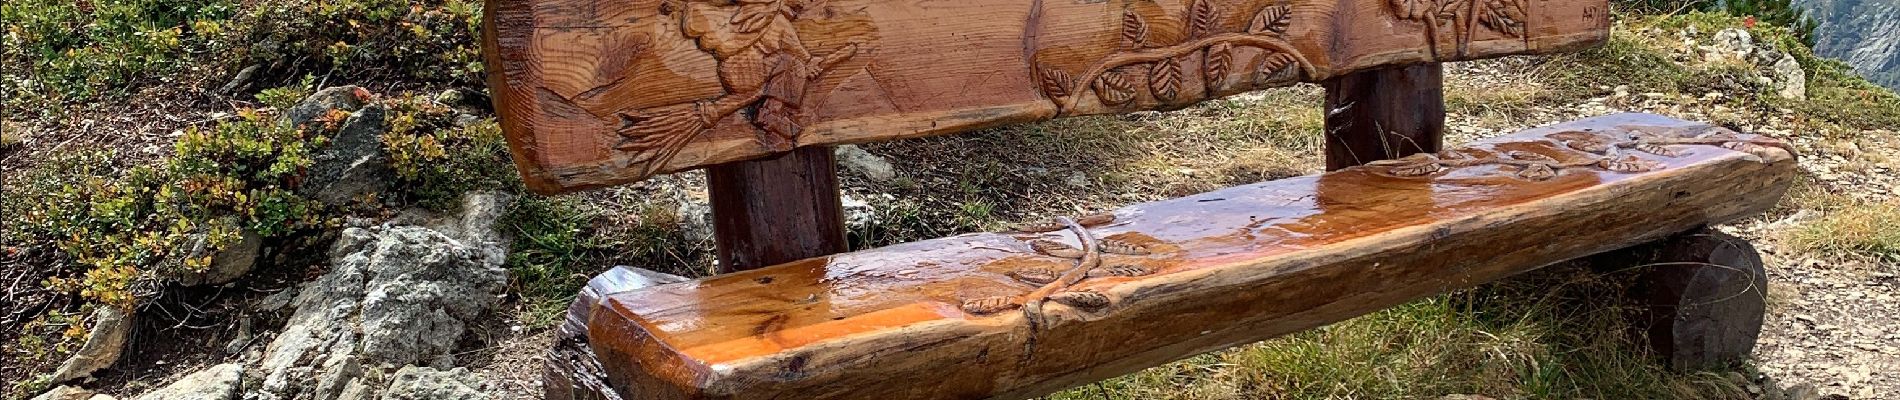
[602, 92]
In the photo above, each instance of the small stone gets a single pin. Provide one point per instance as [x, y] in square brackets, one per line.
[220, 382]
[66, 393]
[346, 98]
[104, 344]
[872, 166]
[423, 383]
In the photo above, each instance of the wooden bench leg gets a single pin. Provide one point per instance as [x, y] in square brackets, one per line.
[1700, 296]
[1384, 114]
[776, 210]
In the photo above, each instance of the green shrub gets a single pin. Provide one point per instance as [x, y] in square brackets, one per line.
[412, 41]
[436, 159]
[57, 50]
[125, 230]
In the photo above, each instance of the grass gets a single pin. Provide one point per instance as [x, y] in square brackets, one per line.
[1554, 334]
[1847, 226]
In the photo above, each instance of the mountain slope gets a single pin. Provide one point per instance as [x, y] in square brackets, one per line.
[1864, 33]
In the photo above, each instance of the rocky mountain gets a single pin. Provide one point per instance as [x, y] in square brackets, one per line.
[1865, 33]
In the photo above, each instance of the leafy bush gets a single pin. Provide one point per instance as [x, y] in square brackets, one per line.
[437, 158]
[413, 41]
[59, 50]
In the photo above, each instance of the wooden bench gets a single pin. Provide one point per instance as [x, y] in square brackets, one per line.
[594, 93]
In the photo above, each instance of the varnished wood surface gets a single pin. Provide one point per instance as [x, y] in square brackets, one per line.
[1227, 267]
[598, 92]
[1384, 113]
[776, 210]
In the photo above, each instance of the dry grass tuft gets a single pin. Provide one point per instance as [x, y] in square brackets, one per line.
[1848, 225]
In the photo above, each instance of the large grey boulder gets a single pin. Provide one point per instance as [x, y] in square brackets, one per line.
[104, 344]
[424, 383]
[395, 296]
[220, 382]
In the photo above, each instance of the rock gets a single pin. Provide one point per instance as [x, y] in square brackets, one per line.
[1792, 80]
[229, 264]
[872, 166]
[423, 383]
[346, 98]
[397, 295]
[858, 214]
[1733, 43]
[353, 164]
[243, 76]
[220, 382]
[67, 393]
[474, 225]
[104, 344]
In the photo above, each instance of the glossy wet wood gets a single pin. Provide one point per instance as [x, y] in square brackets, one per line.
[599, 92]
[1230, 266]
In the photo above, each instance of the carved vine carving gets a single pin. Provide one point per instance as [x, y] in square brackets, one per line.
[762, 66]
[1502, 16]
[1607, 154]
[1160, 69]
[1053, 285]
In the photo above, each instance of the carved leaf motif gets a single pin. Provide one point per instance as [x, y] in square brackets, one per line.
[1083, 299]
[1134, 30]
[1418, 169]
[1273, 18]
[1120, 270]
[1036, 227]
[1750, 148]
[1092, 220]
[1504, 16]
[1406, 160]
[1657, 149]
[1114, 89]
[1275, 68]
[1202, 22]
[1537, 172]
[1588, 145]
[1038, 276]
[1054, 248]
[989, 305]
[1629, 165]
[1214, 65]
[1529, 156]
[1165, 78]
[1113, 246]
[1056, 82]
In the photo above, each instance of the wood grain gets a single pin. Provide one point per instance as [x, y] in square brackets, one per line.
[596, 92]
[963, 317]
[776, 210]
[1384, 114]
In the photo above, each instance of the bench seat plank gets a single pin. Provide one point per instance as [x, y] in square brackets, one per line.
[599, 92]
[1228, 267]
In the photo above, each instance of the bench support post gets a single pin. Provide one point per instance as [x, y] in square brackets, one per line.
[1699, 296]
[777, 209]
[1384, 114]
